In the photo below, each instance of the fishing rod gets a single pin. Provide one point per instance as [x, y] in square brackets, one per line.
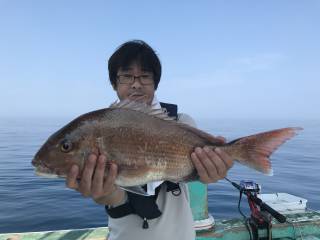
[249, 191]
[260, 217]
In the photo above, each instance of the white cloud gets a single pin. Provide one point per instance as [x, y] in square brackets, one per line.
[261, 62]
[231, 74]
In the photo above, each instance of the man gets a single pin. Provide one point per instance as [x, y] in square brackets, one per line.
[134, 72]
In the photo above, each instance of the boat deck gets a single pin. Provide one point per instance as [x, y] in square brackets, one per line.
[304, 226]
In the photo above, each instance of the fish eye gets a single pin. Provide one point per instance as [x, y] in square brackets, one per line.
[66, 146]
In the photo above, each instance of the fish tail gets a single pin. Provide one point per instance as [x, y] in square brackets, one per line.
[255, 150]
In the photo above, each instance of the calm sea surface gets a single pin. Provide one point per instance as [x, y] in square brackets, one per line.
[31, 203]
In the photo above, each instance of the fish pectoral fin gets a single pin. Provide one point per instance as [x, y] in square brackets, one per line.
[135, 189]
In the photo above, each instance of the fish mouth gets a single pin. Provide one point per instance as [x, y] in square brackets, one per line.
[46, 175]
[35, 162]
[42, 170]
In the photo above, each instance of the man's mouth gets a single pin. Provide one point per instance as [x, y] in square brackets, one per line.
[137, 95]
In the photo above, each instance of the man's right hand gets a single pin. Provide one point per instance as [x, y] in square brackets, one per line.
[93, 182]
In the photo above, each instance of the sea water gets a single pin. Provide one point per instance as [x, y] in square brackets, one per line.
[32, 203]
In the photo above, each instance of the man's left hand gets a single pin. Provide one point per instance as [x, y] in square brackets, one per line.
[211, 165]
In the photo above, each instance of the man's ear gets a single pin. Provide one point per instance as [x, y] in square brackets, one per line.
[114, 86]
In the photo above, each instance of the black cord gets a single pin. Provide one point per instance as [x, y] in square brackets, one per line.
[248, 226]
[239, 202]
[246, 219]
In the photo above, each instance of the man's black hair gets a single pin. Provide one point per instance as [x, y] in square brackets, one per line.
[130, 52]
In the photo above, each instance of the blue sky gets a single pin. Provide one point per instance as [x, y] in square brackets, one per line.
[221, 59]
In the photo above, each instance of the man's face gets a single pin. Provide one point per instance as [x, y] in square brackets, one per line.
[141, 88]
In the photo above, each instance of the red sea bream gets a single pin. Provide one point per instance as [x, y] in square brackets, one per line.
[146, 144]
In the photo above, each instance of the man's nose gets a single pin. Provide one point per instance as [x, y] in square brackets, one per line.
[136, 83]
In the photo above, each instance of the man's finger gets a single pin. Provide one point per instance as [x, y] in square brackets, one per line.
[87, 175]
[110, 179]
[97, 181]
[228, 161]
[200, 168]
[221, 168]
[72, 177]
[221, 138]
[208, 158]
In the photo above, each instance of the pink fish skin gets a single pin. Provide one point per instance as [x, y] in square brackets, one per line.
[146, 145]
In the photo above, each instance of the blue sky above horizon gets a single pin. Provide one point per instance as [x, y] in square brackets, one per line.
[221, 59]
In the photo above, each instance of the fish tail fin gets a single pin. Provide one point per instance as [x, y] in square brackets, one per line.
[255, 150]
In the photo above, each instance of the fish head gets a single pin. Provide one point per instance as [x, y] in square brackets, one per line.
[68, 146]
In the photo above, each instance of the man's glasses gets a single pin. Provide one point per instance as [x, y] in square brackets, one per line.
[145, 79]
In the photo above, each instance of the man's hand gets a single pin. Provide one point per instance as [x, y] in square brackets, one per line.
[211, 165]
[93, 183]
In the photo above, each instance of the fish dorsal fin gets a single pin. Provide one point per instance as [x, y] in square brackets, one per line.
[162, 114]
[142, 107]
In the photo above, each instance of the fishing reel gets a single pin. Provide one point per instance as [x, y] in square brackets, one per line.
[250, 186]
[261, 213]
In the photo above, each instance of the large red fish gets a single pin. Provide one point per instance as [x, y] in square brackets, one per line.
[146, 144]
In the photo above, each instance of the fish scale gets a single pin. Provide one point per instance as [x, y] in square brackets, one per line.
[147, 145]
